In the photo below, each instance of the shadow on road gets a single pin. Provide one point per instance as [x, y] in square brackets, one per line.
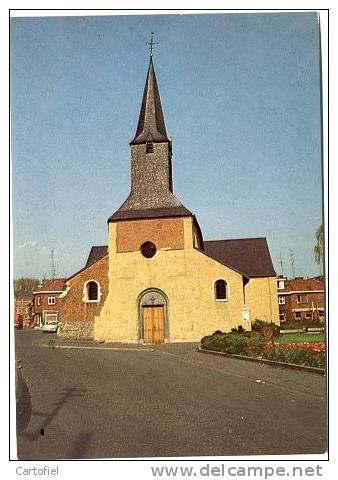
[27, 412]
[82, 446]
[23, 402]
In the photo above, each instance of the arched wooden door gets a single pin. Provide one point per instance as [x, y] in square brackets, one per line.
[153, 316]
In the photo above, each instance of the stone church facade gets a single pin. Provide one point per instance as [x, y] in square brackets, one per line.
[158, 280]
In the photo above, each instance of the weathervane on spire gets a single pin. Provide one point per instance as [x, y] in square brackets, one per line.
[152, 43]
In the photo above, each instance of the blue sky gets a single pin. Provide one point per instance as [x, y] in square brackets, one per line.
[241, 99]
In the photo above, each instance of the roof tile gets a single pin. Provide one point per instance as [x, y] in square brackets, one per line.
[250, 256]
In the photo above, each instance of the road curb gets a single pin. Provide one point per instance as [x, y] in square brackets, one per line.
[320, 371]
[85, 347]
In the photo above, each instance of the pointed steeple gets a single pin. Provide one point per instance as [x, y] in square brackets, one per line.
[151, 193]
[151, 126]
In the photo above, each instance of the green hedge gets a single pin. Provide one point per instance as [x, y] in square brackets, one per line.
[301, 324]
[238, 343]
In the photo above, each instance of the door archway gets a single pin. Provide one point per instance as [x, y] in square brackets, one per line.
[153, 316]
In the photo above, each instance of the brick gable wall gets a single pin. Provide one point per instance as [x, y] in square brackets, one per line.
[76, 318]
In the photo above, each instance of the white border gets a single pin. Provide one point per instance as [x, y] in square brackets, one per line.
[141, 469]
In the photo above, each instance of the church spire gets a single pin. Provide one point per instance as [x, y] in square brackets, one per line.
[151, 126]
[151, 193]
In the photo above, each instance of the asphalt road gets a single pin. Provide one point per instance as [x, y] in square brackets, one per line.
[161, 401]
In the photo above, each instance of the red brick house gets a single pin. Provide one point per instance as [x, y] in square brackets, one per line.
[23, 306]
[301, 299]
[46, 301]
[84, 296]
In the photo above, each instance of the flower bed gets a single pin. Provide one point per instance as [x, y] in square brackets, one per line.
[314, 346]
[262, 345]
[310, 354]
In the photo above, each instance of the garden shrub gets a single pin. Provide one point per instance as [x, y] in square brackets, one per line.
[259, 325]
[256, 343]
[213, 342]
[225, 342]
[234, 343]
[238, 329]
[249, 343]
[207, 337]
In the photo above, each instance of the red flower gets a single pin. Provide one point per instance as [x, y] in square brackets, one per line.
[316, 347]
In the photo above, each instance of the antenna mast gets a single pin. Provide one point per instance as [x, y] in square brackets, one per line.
[292, 262]
[52, 266]
[281, 263]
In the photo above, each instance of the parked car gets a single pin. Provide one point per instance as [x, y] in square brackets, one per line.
[50, 326]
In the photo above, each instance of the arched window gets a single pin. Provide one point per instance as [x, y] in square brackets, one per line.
[221, 290]
[92, 291]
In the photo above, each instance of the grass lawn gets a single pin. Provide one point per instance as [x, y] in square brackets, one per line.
[300, 337]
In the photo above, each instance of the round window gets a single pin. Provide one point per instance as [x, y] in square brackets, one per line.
[148, 249]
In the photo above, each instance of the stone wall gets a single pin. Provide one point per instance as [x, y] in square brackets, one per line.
[84, 329]
[261, 299]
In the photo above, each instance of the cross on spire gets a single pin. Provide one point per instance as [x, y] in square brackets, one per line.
[152, 43]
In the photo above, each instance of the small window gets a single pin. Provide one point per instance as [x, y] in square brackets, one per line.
[302, 299]
[298, 315]
[280, 284]
[148, 249]
[281, 300]
[51, 300]
[221, 290]
[282, 317]
[38, 301]
[92, 291]
[150, 147]
[308, 315]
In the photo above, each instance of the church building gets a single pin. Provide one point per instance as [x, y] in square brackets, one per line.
[158, 280]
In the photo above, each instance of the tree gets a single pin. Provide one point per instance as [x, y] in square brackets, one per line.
[319, 246]
[25, 284]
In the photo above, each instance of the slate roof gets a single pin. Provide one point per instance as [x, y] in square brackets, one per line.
[179, 211]
[96, 253]
[250, 256]
[151, 126]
